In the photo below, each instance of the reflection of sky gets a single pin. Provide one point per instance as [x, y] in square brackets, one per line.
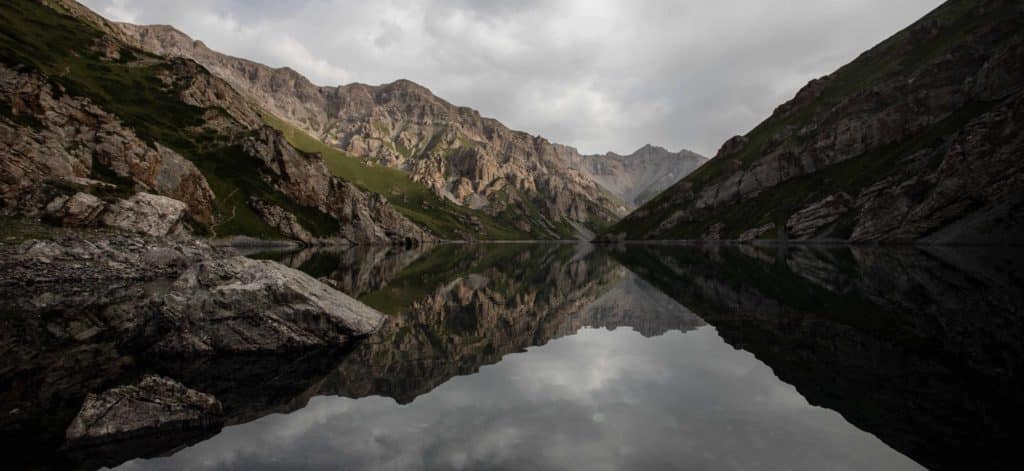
[595, 400]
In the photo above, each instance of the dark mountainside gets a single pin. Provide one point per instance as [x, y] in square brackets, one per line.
[640, 176]
[918, 139]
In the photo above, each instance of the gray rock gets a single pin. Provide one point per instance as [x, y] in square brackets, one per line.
[241, 305]
[148, 214]
[757, 232]
[80, 209]
[155, 405]
[810, 221]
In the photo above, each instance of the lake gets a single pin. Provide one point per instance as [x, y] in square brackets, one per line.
[574, 356]
[568, 356]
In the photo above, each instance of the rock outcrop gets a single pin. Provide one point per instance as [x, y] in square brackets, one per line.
[154, 406]
[236, 304]
[640, 176]
[196, 299]
[366, 218]
[53, 135]
[919, 139]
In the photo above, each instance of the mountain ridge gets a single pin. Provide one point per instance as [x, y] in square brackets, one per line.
[639, 176]
[916, 140]
[460, 155]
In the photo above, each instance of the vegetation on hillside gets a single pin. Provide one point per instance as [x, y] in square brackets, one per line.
[66, 51]
[414, 200]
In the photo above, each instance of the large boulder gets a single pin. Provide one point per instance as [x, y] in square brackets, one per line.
[238, 304]
[154, 406]
[148, 214]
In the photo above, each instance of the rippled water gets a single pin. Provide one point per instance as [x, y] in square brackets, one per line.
[548, 356]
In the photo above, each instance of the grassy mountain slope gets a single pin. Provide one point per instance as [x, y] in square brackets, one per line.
[36, 38]
[415, 201]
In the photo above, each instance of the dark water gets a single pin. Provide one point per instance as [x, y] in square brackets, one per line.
[636, 357]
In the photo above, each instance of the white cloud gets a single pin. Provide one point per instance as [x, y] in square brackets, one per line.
[598, 74]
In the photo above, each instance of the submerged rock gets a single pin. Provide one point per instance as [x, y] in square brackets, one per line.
[154, 406]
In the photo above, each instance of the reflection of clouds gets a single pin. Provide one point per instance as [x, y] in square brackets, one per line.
[596, 400]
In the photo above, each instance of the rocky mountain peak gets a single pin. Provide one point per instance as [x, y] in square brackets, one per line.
[639, 176]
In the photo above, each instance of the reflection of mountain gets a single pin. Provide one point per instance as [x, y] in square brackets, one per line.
[484, 303]
[454, 309]
[918, 348]
[352, 270]
[636, 304]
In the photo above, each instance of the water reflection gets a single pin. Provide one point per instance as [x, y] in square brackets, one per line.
[567, 356]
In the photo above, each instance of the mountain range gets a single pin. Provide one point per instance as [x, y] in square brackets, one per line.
[917, 140]
[268, 154]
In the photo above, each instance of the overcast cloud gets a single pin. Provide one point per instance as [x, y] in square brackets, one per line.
[596, 74]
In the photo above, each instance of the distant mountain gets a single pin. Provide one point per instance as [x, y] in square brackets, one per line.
[640, 176]
[918, 139]
[475, 162]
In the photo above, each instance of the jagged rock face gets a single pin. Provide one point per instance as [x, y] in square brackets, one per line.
[922, 133]
[154, 406]
[640, 176]
[474, 161]
[52, 135]
[366, 218]
[282, 220]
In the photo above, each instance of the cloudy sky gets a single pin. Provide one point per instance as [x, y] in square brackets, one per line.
[597, 74]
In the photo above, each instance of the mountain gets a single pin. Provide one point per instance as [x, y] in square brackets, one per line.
[96, 132]
[918, 139]
[640, 176]
[461, 157]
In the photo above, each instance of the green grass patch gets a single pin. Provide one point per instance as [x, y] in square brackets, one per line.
[61, 48]
[413, 200]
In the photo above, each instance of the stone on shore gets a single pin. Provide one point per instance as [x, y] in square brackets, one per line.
[154, 406]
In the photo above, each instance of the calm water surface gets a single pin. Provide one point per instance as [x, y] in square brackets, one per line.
[567, 357]
[551, 356]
